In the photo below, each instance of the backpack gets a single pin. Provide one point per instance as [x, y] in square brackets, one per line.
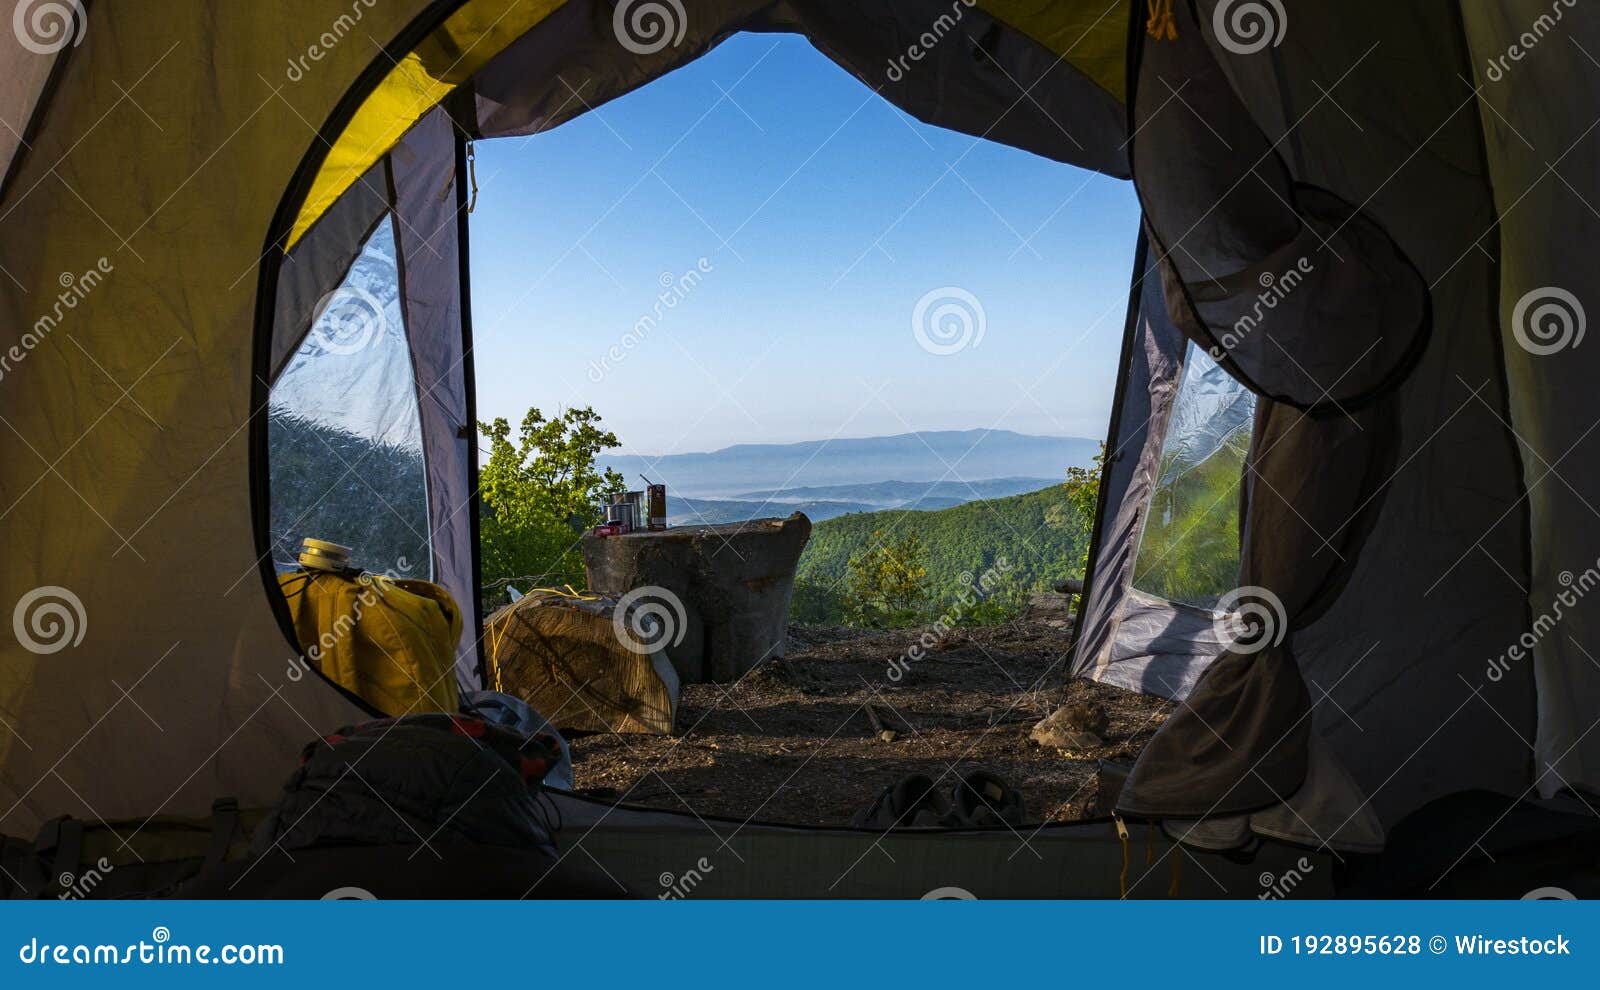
[416, 779]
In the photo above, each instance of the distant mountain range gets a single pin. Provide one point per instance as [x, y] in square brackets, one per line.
[821, 502]
[822, 469]
[909, 494]
[708, 512]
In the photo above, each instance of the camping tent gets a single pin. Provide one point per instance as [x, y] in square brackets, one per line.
[1358, 291]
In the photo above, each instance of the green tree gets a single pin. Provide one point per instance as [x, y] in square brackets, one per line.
[540, 492]
[887, 582]
[816, 604]
[1003, 602]
[1083, 495]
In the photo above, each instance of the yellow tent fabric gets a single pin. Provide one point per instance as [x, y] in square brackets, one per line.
[391, 643]
[468, 39]
[131, 235]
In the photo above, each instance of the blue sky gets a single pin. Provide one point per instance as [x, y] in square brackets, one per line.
[824, 216]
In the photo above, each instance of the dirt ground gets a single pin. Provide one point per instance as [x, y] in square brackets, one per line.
[792, 742]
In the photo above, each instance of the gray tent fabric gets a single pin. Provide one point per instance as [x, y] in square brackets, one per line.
[1294, 290]
[1241, 740]
[1328, 795]
[1126, 637]
[1157, 646]
[988, 80]
[1185, 549]
[22, 82]
[428, 202]
[45, 34]
[1365, 151]
[318, 262]
[1388, 662]
[1541, 148]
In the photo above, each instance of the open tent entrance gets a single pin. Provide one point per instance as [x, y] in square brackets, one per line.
[972, 74]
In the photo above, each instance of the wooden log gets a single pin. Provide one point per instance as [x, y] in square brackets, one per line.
[567, 658]
[725, 589]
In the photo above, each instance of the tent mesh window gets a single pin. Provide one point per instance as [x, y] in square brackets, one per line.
[1189, 551]
[345, 435]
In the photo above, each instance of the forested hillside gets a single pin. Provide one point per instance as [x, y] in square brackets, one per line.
[1040, 534]
[331, 484]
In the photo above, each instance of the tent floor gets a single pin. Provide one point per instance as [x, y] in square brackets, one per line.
[793, 743]
[672, 855]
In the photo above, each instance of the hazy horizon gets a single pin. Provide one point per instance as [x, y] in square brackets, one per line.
[870, 436]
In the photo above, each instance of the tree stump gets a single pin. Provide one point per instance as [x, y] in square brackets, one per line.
[567, 658]
[721, 593]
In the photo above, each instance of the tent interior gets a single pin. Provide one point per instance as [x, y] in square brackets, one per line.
[1331, 304]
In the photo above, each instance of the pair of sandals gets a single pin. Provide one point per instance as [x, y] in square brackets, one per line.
[977, 799]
